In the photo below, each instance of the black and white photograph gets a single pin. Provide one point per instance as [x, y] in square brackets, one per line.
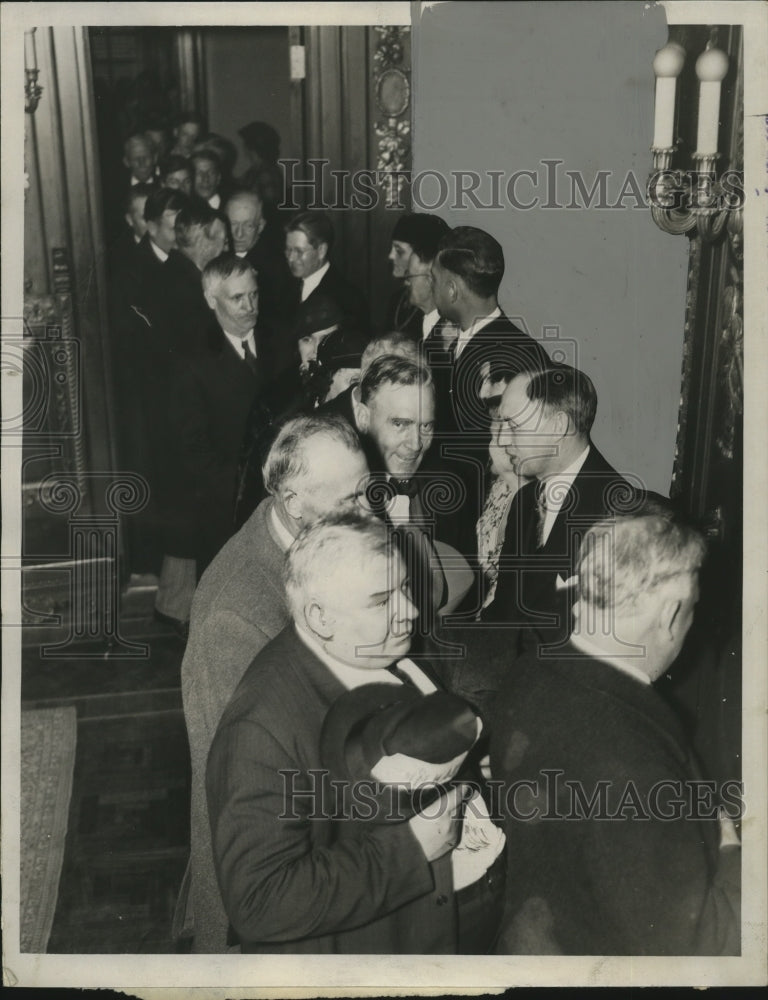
[384, 438]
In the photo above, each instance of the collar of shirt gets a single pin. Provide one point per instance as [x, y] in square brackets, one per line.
[466, 335]
[215, 200]
[237, 342]
[557, 486]
[161, 255]
[284, 537]
[429, 322]
[398, 506]
[308, 285]
[622, 663]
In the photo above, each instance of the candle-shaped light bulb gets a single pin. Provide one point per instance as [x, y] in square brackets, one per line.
[667, 66]
[711, 67]
[30, 53]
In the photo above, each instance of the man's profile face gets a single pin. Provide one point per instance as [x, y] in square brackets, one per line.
[179, 180]
[140, 158]
[163, 232]
[214, 242]
[401, 421]
[303, 258]
[235, 302]
[206, 177]
[399, 254]
[525, 431]
[244, 218]
[370, 611]
[336, 480]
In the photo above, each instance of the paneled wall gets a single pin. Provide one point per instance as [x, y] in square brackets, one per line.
[505, 87]
[247, 79]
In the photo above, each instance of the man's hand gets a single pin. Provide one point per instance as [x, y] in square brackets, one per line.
[438, 827]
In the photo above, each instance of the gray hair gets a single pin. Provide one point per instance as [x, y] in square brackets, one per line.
[390, 343]
[222, 267]
[334, 540]
[391, 369]
[289, 458]
[624, 561]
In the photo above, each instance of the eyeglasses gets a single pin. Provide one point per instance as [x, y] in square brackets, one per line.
[295, 252]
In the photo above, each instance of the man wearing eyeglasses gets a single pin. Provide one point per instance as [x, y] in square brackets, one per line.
[308, 244]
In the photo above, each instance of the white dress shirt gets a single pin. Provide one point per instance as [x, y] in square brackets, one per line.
[161, 255]
[556, 488]
[308, 285]
[466, 335]
[215, 200]
[429, 322]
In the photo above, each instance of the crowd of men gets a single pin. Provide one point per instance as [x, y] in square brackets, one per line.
[412, 591]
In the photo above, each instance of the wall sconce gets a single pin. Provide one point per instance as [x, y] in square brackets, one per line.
[683, 199]
[32, 90]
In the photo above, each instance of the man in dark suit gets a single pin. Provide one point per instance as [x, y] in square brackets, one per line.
[141, 356]
[262, 242]
[289, 882]
[394, 410]
[612, 847]
[546, 419]
[466, 273]
[212, 392]
[176, 173]
[186, 320]
[207, 178]
[308, 244]
[122, 248]
[139, 281]
[314, 467]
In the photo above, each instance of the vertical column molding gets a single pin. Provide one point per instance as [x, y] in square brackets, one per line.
[190, 55]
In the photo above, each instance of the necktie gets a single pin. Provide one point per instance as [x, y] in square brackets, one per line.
[249, 357]
[541, 511]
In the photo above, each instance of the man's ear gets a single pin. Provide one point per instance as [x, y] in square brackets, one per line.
[360, 411]
[292, 504]
[317, 621]
[210, 299]
[322, 250]
[560, 423]
[670, 616]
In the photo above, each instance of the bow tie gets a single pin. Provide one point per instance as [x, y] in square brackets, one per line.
[405, 487]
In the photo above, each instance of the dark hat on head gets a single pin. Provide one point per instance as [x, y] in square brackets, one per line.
[262, 139]
[422, 231]
[378, 720]
[341, 349]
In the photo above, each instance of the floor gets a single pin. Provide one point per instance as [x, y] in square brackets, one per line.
[128, 835]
